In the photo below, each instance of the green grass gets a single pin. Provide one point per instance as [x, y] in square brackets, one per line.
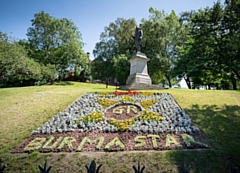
[216, 113]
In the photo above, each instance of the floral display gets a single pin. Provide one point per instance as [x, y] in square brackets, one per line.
[105, 103]
[145, 112]
[94, 117]
[147, 103]
[116, 121]
[149, 115]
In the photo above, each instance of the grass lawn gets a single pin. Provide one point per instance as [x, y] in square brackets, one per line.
[216, 113]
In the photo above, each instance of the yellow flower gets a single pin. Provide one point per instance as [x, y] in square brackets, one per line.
[147, 93]
[127, 98]
[104, 93]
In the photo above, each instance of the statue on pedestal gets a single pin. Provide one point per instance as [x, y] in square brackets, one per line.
[138, 38]
[138, 77]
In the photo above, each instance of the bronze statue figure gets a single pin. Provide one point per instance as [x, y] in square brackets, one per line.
[138, 38]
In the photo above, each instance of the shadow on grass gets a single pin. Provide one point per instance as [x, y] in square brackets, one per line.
[63, 83]
[221, 127]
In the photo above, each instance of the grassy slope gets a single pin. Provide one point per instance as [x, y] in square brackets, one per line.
[216, 113]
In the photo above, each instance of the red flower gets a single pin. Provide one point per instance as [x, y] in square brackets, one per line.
[129, 92]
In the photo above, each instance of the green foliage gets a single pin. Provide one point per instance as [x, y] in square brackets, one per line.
[163, 32]
[104, 93]
[114, 49]
[83, 69]
[189, 139]
[16, 68]
[56, 42]
[210, 53]
[154, 139]
[35, 144]
[119, 63]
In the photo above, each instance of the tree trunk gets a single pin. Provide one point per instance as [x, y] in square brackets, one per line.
[51, 81]
[187, 82]
[169, 82]
[208, 87]
[236, 73]
[217, 86]
[234, 83]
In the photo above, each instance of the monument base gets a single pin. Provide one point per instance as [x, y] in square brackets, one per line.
[139, 78]
[136, 86]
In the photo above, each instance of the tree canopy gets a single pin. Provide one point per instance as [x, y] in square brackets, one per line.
[202, 47]
[54, 46]
[16, 68]
[57, 42]
[161, 34]
[210, 55]
[114, 49]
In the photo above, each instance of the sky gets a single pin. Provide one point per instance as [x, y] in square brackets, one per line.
[90, 16]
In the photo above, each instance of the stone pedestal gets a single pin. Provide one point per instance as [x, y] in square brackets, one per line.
[138, 70]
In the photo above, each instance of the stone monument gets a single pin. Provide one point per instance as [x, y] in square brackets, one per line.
[139, 70]
[139, 78]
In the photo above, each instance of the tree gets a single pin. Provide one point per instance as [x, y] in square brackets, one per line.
[231, 26]
[116, 46]
[83, 69]
[210, 55]
[162, 34]
[181, 66]
[16, 68]
[120, 62]
[55, 41]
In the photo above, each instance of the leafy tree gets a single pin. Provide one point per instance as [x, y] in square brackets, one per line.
[162, 34]
[210, 55]
[120, 62]
[115, 42]
[83, 69]
[231, 41]
[16, 68]
[181, 67]
[97, 68]
[55, 41]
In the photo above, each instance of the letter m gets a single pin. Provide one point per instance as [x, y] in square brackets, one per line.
[99, 142]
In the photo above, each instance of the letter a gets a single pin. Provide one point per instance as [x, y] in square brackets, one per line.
[115, 141]
[170, 140]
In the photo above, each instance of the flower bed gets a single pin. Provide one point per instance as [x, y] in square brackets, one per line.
[123, 115]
